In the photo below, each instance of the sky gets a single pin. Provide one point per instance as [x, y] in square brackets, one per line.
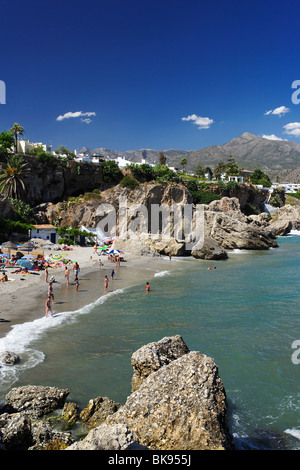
[160, 74]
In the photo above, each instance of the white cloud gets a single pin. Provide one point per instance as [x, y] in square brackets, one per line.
[272, 137]
[280, 111]
[201, 122]
[293, 128]
[74, 115]
[86, 120]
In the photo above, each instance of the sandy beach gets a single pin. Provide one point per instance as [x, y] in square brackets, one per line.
[23, 298]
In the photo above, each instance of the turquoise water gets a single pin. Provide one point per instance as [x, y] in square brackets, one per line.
[244, 314]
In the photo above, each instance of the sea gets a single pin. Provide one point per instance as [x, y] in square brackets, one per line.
[243, 312]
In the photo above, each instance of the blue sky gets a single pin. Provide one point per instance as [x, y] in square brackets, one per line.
[164, 74]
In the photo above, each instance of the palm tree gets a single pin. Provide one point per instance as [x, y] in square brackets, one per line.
[11, 179]
[17, 130]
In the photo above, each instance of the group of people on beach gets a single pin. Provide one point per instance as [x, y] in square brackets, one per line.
[50, 297]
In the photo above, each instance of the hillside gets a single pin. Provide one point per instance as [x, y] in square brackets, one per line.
[249, 150]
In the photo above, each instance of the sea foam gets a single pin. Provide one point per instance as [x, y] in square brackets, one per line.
[21, 336]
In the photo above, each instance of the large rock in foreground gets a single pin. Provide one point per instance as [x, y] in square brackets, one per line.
[153, 356]
[181, 406]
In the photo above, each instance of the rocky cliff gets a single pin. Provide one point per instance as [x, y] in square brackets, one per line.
[55, 181]
[132, 215]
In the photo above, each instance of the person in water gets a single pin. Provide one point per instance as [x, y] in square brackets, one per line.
[147, 286]
[48, 306]
[106, 282]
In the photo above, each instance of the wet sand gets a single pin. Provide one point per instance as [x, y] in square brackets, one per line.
[24, 300]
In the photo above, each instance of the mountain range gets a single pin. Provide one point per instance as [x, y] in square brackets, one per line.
[275, 157]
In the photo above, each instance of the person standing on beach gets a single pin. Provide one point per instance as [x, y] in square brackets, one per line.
[76, 269]
[170, 256]
[46, 274]
[106, 282]
[112, 274]
[67, 273]
[48, 306]
[76, 284]
[50, 291]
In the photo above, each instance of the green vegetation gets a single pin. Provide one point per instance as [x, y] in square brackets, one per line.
[6, 143]
[69, 236]
[23, 210]
[17, 130]
[7, 227]
[12, 179]
[259, 177]
[129, 182]
[111, 172]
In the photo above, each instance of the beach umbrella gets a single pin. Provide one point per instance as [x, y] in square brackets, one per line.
[27, 246]
[28, 257]
[114, 252]
[24, 263]
[9, 246]
[56, 257]
[103, 248]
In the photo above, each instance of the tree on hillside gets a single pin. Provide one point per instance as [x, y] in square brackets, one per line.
[183, 162]
[219, 170]
[199, 170]
[17, 130]
[6, 142]
[259, 177]
[162, 158]
[232, 168]
[11, 178]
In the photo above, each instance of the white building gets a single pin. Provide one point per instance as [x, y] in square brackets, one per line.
[46, 232]
[24, 146]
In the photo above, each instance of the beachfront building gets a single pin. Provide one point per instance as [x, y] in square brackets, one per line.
[24, 146]
[45, 232]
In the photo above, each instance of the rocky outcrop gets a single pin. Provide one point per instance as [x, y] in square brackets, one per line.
[97, 410]
[6, 209]
[55, 181]
[153, 356]
[231, 229]
[209, 250]
[287, 218]
[181, 406]
[178, 402]
[133, 215]
[108, 437]
[35, 400]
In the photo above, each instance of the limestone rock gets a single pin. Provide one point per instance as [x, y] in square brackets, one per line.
[287, 218]
[153, 356]
[35, 400]
[44, 436]
[104, 437]
[181, 406]
[97, 411]
[209, 250]
[15, 431]
[8, 357]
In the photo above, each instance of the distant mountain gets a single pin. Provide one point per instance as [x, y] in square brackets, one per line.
[249, 151]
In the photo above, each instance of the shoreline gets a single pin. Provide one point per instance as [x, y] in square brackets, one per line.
[24, 300]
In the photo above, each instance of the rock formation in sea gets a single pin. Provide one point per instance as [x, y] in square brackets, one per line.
[179, 402]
